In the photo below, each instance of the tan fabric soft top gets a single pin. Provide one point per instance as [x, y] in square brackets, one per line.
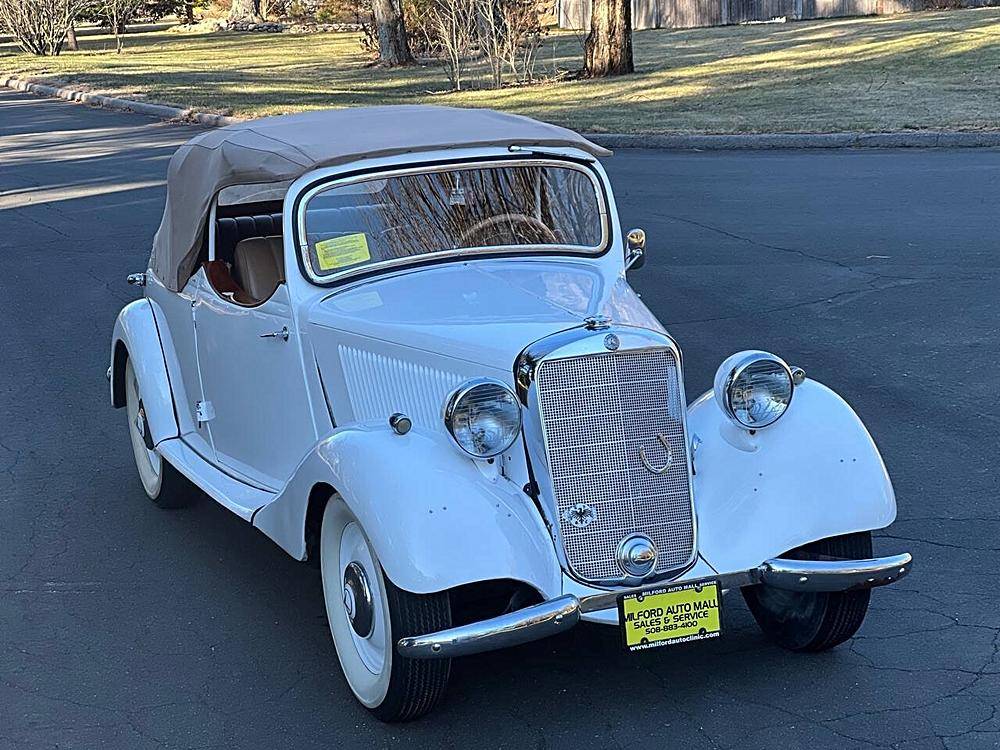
[284, 148]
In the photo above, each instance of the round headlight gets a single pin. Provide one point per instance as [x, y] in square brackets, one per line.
[754, 388]
[483, 417]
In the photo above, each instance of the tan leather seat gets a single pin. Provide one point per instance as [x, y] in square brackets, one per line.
[258, 266]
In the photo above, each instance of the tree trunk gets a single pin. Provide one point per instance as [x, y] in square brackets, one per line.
[393, 47]
[118, 24]
[71, 44]
[245, 10]
[608, 50]
[188, 12]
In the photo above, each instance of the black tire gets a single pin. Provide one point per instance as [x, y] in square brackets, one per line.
[813, 621]
[176, 490]
[416, 686]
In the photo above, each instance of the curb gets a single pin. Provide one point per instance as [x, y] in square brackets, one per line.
[748, 141]
[162, 111]
[765, 141]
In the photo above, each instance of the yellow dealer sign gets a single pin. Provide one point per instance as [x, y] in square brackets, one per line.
[676, 614]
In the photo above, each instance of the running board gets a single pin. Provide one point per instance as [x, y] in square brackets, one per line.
[230, 493]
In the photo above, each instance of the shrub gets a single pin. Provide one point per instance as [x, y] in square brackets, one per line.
[504, 34]
[40, 26]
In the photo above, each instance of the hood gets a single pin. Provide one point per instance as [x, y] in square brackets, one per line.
[485, 312]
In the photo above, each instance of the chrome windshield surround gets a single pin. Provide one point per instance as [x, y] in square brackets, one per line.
[583, 343]
[302, 205]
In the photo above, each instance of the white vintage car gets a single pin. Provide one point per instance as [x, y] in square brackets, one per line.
[401, 340]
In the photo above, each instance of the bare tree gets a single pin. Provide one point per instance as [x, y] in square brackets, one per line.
[608, 49]
[450, 30]
[509, 35]
[504, 34]
[118, 14]
[40, 26]
[393, 47]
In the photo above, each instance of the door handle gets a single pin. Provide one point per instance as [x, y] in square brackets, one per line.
[282, 334]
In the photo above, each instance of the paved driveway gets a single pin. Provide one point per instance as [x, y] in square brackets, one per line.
[122, 626]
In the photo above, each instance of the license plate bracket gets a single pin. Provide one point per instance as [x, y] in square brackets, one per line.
[674, 614]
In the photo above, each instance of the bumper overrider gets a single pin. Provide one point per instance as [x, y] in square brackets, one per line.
[563, 612]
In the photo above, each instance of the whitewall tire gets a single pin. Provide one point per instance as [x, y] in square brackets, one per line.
[164, 485]
[368, 615]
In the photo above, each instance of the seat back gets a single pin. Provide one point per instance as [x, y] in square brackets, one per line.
[258, 266]
[230, 231]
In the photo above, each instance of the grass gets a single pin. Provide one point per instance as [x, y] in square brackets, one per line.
[889, 73]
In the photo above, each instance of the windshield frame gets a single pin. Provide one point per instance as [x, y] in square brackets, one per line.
[302, 203]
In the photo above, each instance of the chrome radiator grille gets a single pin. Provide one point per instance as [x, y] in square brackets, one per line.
[598, 412]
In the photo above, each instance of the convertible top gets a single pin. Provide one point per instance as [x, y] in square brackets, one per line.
[274, 149]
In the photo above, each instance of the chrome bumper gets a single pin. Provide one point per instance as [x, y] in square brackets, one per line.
[563, 612]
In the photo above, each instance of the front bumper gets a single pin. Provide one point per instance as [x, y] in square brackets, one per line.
[563, 612]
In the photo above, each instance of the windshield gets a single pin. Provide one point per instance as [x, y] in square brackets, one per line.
[388, 220]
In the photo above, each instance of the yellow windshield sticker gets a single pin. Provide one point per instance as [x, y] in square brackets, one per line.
[341, 252]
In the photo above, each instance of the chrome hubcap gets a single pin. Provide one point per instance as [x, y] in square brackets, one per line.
[358, 600]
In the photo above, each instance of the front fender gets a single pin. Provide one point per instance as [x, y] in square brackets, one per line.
[136, 337]
[813, 474]
[435, 519]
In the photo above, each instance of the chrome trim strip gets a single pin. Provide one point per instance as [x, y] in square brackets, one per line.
[563, 612]
[485, 162]
[528, 360]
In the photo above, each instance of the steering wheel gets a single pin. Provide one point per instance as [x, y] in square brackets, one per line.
[530, 223]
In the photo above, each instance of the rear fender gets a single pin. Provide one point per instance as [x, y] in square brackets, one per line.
[815, 473]
[435, 518]
[136, 338]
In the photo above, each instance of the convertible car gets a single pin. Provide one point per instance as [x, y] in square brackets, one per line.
[401, 343]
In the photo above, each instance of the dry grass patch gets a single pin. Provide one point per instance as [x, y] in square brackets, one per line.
[915, 71]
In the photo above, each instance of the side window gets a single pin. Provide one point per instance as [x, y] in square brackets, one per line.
[248, 263]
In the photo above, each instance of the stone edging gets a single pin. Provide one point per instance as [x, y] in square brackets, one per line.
[162, 111]
[914, 139]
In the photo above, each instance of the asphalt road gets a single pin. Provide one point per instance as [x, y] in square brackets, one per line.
[123, 626]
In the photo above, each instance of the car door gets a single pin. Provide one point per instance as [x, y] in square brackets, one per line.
[254, 396]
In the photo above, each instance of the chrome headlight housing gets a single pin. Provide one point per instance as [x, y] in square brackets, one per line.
[754, 388]
[483, 417]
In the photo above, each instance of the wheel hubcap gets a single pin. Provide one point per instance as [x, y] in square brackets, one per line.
[142, 427]
[358, 600]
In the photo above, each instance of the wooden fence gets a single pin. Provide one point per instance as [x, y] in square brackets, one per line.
[687, 14]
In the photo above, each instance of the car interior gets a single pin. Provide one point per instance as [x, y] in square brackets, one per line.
[249, 264]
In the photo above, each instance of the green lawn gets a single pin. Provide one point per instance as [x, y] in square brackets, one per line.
[914, 71]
